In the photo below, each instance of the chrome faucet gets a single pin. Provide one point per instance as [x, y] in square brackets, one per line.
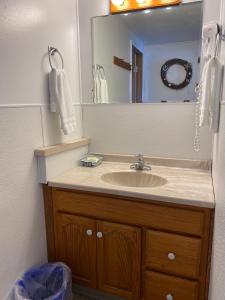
[140, 164]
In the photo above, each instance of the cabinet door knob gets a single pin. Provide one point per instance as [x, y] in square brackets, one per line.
[99, 235]
[171, 256]
[89, 232]
[169, 297]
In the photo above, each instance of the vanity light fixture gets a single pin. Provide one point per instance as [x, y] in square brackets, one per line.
[118, 2]
[124, 6]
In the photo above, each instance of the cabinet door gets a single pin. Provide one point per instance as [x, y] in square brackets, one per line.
[119, 259]
[76, 246]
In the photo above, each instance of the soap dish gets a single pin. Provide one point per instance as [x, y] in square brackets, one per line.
[91, 161]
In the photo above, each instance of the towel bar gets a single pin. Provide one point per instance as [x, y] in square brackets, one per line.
[51, 52]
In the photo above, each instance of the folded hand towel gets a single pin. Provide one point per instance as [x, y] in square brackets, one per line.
[61, 100]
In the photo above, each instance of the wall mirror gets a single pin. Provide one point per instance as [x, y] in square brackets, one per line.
[150, 56]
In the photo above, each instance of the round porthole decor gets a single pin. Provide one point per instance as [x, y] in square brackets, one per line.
[176, 73]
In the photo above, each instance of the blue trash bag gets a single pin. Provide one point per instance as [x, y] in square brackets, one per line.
[45, 282]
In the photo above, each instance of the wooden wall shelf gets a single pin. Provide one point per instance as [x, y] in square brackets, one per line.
[121, 63]
[56, 149]
[133, 5]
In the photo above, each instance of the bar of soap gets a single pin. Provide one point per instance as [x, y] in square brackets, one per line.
[91, 161]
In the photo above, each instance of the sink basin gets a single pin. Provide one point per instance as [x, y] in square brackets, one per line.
[134, 179]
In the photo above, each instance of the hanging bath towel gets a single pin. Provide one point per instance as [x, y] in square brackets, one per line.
[61, 100]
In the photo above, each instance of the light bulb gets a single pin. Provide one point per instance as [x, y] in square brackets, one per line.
[118, 2]
[140, 1]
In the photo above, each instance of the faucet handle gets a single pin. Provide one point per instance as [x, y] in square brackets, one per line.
[140, 164]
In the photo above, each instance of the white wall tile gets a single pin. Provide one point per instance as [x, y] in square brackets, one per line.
[51, 126]
[26, 30]
[22, 224]
[153, 129]
[51, 166]
[211, 10]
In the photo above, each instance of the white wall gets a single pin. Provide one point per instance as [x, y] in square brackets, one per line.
[154, 58]
[111, 37]
[165, 130]
[218, 262]
[26, 30]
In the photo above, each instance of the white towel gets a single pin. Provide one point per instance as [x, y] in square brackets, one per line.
[101, 93]
[61, 100]
[104, 91]
[209, 36]
[211, 79]
[97, 90]
[210, 94]
[205, 93]
[216, 92]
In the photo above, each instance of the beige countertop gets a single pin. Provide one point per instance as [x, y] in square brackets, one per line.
[184, 186]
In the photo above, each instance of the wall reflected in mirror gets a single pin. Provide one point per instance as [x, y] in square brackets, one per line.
[152, 56]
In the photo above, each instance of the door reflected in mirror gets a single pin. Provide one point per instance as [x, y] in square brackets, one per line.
[152, 56]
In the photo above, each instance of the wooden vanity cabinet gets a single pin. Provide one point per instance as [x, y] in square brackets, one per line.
[100, 254]
[131, 248]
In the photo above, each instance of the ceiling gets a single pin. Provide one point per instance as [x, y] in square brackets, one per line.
[163, 25]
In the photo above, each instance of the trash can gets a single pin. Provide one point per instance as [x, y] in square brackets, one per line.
[45, 282]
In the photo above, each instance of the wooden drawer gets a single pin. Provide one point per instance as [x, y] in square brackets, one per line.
[163, 287]
[174, 254]
[161, 217]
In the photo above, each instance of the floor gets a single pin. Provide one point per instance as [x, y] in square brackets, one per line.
[88, 297]
[80, 297]
[81, 293]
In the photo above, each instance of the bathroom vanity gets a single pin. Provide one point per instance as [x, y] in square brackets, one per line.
[151, 243]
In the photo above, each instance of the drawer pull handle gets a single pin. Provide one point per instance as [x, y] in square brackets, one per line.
[89, 232]
[169, 297]
[99, 235]
[172, 256]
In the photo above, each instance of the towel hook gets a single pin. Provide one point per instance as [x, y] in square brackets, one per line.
[51, 52]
